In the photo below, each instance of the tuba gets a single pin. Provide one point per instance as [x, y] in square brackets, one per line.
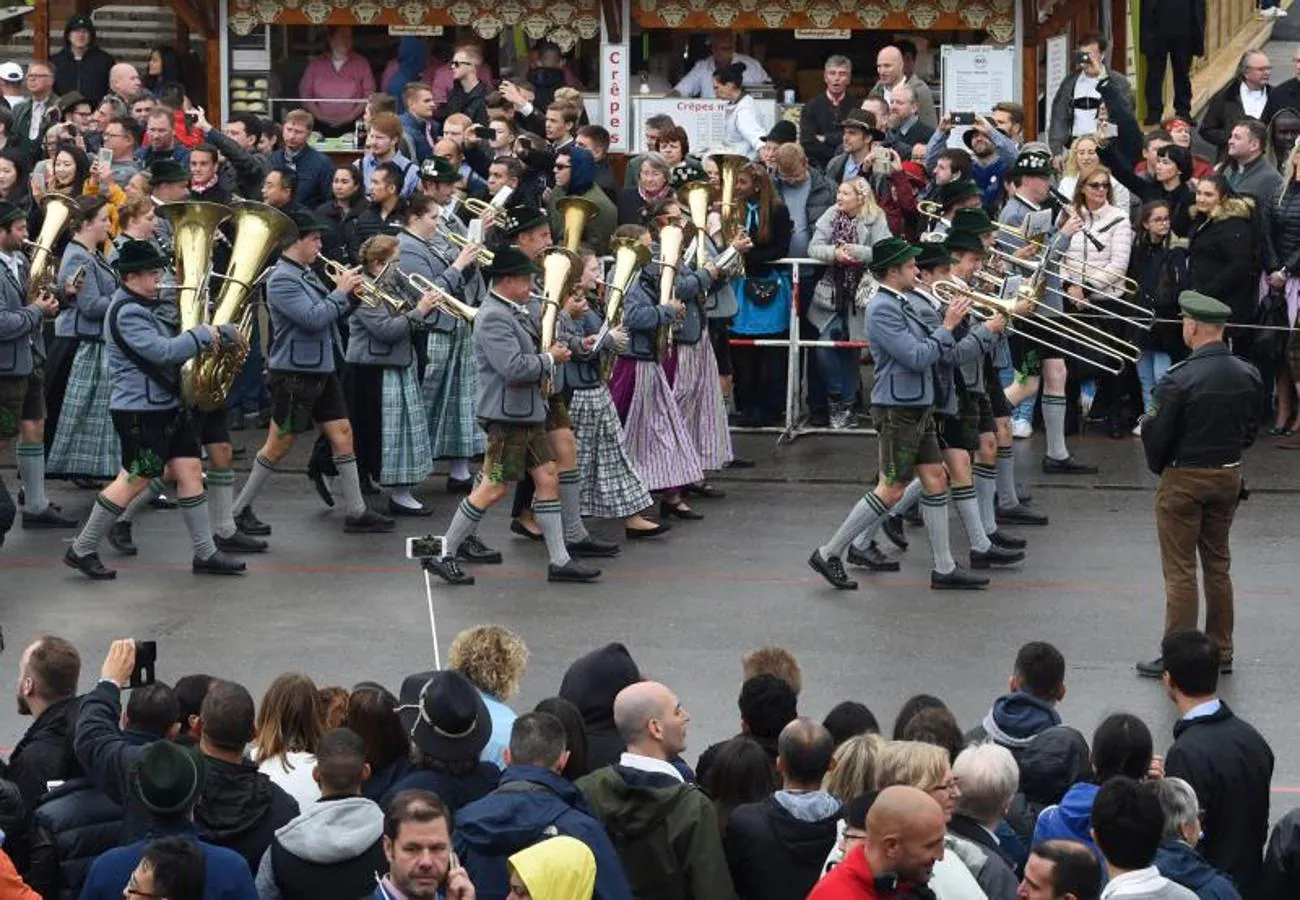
[630, 257]
[671, 241]
[59, 210]
[695, 196]
[729, 166]
[559, 270]
[577, 212]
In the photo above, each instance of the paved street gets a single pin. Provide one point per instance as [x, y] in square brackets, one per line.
[346, 608]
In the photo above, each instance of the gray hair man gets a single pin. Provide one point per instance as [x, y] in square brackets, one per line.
[1177, 858]
[989, 778]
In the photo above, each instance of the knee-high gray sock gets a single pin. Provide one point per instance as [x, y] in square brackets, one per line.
[866, 514]
[31, 466]
[463, 524]
[350, 484]
[968, 508]
[221, 501]
[151, 493]
[262, 470]
[911, 496]
[1006, 477]
[571, 506]
[934, 512]
[195, 511]
[986, 487]
[103, 514]
[1054, 425]
[551, 520]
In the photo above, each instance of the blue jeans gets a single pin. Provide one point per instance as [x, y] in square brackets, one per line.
[838, 366]
[1151, 367]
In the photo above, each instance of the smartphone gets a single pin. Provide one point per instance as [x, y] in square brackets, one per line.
[962, 118]
[880, 161]
[105, 156]
[1109, 130]
[1081, 58]
[191, 119]
[426, 547]
[146, 659]
[483, 132]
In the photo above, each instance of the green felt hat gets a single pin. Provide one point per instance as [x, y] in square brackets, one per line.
[891, 252]
[510, 261]
[139, 256]
[1203, 308]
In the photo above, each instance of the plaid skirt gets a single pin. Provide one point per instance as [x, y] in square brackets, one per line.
[85, 443]
[697, 387]
[611, 487]
[449, 389]
[653, 432]
[406, 456]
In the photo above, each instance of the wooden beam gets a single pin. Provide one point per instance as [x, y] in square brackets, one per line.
[212, 54]
[41, 30]
[611, 12]
[194, 19]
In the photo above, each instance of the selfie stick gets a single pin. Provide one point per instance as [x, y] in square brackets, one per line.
[433, 624]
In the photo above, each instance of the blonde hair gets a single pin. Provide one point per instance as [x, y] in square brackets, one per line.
[289, 718]
[863, 189]
[776, 661]
[854, 769]
[912, 763]
[492, 657]
[1071, 166]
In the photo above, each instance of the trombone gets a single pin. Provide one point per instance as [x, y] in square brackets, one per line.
[933, 210]
[441, 300]
[369, 292]
[1077, 271]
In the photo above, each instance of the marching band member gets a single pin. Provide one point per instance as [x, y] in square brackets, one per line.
[84, 443]
[22, 400]
[610, 486]
[513, 413]
[157, 439]
[908, 339]
[952, 197]
[305, 388]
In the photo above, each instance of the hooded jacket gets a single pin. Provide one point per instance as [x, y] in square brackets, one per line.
[87, 76]
[665, 831]
[561, 868]
[241, 808]
[1218, 266]
[531, 804]
[775, 848]
[582, 183]
[334, 849]
[412, 57]
[1014, 720]
[591, 684]
[1183, 865]
[1071, 819]
[454, 790]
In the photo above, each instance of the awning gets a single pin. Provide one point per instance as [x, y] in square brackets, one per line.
[997, 17]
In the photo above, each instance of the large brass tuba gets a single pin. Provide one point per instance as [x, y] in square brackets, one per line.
[672, 238]
[630, 257]
[695, 196]
[560, 267]
[729, 166]
[59, 210]
[577, 212]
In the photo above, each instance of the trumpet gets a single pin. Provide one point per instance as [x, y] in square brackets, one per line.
[369, 292]
[485, 256]
[442, 300]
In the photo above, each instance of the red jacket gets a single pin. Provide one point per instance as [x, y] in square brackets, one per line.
[11, 886]
[850, 880]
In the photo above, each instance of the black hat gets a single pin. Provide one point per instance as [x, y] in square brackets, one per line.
[139, 256]
[305, 222]
[10, 213]
[445, 715]
[71, 100]
[890, 252]
[954, 192]
[862, 120]
[1203, 308]
[76, 23]
[961, 239]
[518, 219]
[783, 132]
[439, 171]
[685, 172]
[168, 171]
[1032, 162]
[933, 254]
[168, 778]
[510, 261]
[968, 137]
[976, 221]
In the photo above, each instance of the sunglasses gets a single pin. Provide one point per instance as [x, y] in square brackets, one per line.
[1098, 185]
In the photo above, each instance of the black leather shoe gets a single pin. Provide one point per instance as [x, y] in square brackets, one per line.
[995, 556]
[832, 570]
[871, 559]
[397, 509]
[704, 489]
[218, 564]
[1153, 669]
[163, 502]
[517, 527]
[593, 548]
[1007, 541]
[913, 517]
[571, 572]
[459, 485]
[369, 522]
[247, 522]
[119, 538]
[472, 549]
[893, 529]
[1067, 466]
[1019, 515]
[1225, 667]
[636, 534]
[739, 462]
[322, 489]
[239, 543]
[957, 580]
[680, 510]
[368, 487]
[448, 569]
[47, 518]
[89, 565]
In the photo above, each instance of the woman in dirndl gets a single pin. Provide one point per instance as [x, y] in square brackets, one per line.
[611, 486]
[84, 444]
[390, 431]
[653, 431]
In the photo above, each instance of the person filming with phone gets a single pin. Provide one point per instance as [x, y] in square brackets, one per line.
[1077, 100]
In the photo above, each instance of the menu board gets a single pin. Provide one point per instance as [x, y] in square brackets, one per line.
[974, 78]
[702, 119]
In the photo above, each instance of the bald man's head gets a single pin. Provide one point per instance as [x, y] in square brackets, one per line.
[905, 830]
[124, 80]
[650, 719]
[804, 752]
[889, 65]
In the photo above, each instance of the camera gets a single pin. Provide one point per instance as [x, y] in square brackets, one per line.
[1081, 58]
[483, 133]
[962, 118]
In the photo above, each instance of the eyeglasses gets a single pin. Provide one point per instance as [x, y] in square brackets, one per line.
[854, 835]
[1098, 185]
[951, 786]
[559, 166]
[461, 62]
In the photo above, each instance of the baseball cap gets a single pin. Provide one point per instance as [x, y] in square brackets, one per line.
[11, 72]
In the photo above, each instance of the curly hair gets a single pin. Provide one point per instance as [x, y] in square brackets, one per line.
[492, 657]
[776, 661]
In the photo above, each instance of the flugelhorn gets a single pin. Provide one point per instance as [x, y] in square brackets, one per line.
[485, 256]
[59, 210]
[370, 291]
[442, 300]
[630, 257]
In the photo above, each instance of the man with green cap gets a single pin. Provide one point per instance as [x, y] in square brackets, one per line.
[1205, 413]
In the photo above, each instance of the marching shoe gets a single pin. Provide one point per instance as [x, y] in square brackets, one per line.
[1067, 466]
[871, 559]
[995, 556]
[739, 462]
[369, 522]
[417, 512]
[239, 543]
[571, 572]
[1019, 515]
[1225, 667]
[247, 522]
[89, 565]
[119, 538]
[832, 570]
[704, 489]
[519, 528]
[1007, 541]
[47, 518]
[636, 534]
[368, 486]
[446, 568]
[680, 510]
[893, 529]
[472, 549]
[593, 548]
[459, 485]
[1153, 669]
[957, 580]
[913, 517]
[1021, 430]
[218, 564]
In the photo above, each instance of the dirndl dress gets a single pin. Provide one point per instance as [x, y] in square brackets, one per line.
[611, 486]
[449, 390]
[697, 388]
[85, 443]
[406, 458]
[653, 432]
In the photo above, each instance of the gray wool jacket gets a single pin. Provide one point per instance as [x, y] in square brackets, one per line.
[417, 257]
[510, 369]
[303, 317]
[907, 341]
[20, 324]
[84, 318]
[378, 336]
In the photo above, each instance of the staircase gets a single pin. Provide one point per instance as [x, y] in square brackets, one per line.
[129, 31]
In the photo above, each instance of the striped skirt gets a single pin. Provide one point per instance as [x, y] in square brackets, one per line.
[449, 389]
[611, 486]
[653, 432]
[85, 443]
[406, 456]
[697, 387]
